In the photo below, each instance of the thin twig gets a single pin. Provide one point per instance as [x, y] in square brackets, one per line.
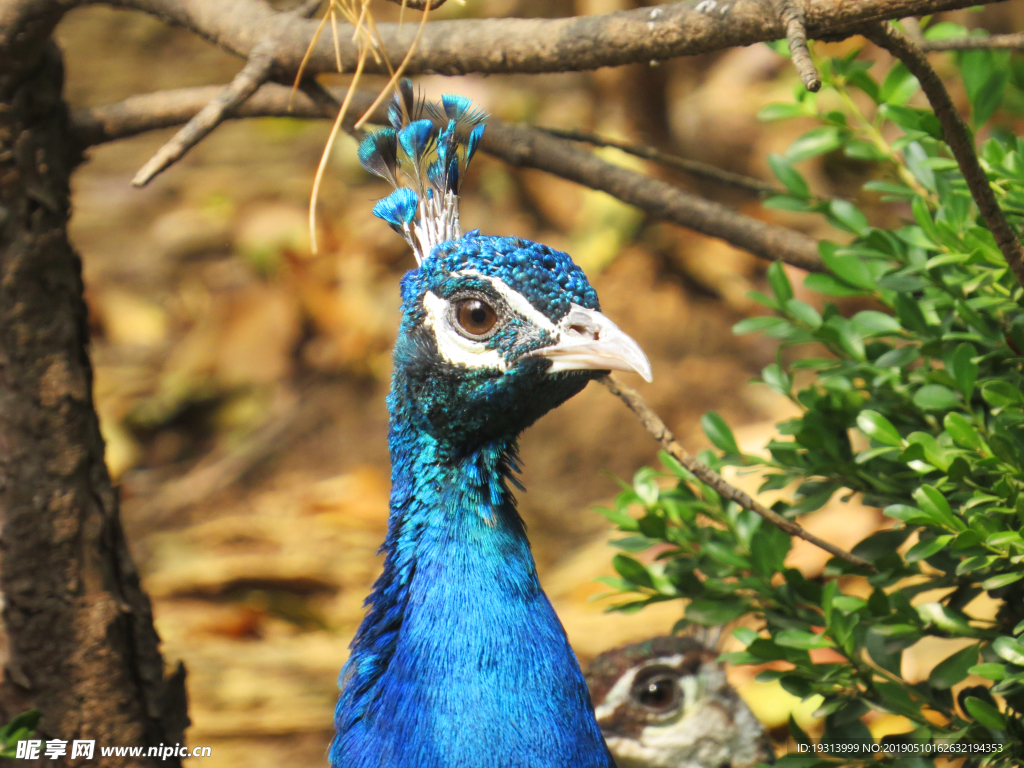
[791, 13]
[254, 74]
[1013, 42]
[957, 135]
[517, 145]
[696, 167]
[656, 427]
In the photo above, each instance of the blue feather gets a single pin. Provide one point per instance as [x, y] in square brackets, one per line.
[431, 155]
[435, 175]
[378, 154]
[398, 208]
[407, 106]
[458, 109]
[473, 142]
[416, 139]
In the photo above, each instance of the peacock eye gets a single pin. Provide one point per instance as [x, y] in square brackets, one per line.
[475, 317]
[657, 692]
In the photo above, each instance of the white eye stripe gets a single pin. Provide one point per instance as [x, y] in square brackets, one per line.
[515, 300]
[452, 345]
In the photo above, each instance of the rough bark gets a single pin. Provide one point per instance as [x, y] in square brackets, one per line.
[516, 45]
[83, 649]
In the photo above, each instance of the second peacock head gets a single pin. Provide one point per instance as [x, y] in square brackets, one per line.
[496, 331]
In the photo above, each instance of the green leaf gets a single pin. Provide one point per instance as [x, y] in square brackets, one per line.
[962, 431]
[934, 505]
[632, 571]
[789, 176]
[877, 322]
[830, 286]
[925, 549]
[768, 549]
[988, 670]
[935, 397]
[781, 111]
[718, 432]
[759, 323]
[877, 427]
[805, 641]
[619, 518]
[934, 454]
[847, 266]
[912, 516]
[1001, 394]
[721, 553]
[715, 613]
[962, 367]
[797, 733]
[816, 141]
[1002, 580]
[938, 615]
[858, 149]
[745, 635]
[985, 76]
[985, 713]
[776, 377]
[899, 85]
[847, 216]
[803, 312]
[779, 282]
[848, 604]
[952, 670]
[1009, 650]
[645, 486]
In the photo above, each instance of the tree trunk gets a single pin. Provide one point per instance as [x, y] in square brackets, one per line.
[83, 649]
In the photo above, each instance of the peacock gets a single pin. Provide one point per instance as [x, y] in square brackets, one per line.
[460, 661]
[665, 703]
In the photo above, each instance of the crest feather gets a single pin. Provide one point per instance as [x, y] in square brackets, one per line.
[424, 155]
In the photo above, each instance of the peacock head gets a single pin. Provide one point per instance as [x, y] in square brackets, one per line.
[666, 703]
[495, 331]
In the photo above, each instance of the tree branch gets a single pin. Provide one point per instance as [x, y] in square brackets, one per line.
[695, 167]
[958, 137]
[528, 147]
[791, 13]
[1014, 42]
[656, 427]
[518, 145]
[454, 47]
[255, 73]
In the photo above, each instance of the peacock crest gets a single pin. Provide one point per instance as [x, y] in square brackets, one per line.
[424, 155]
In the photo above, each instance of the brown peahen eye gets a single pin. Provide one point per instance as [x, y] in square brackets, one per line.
[657, 692]
[475, 317]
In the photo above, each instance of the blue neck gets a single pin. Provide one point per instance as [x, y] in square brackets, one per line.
[461, 661]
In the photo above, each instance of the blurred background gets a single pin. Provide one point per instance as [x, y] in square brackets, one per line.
[240, 379]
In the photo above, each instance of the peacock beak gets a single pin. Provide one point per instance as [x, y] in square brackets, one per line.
[589, 341]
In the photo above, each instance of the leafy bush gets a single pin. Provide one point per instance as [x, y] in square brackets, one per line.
[20, 728]
[929, 373]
